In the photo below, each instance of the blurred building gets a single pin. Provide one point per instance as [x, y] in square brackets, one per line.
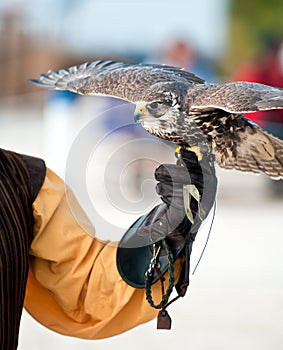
[21, 55]
[24, 53]
[40, 35]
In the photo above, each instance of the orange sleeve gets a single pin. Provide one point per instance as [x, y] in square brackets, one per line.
[74, 287]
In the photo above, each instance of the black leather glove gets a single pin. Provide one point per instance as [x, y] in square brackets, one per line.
[168, 219]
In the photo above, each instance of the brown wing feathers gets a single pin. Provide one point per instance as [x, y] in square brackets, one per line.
[113, 78]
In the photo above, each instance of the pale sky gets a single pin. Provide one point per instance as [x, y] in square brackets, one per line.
[127, 25]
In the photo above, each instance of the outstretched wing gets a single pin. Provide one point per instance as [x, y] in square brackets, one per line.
[237, 97]
[245, 146]
[114, 79]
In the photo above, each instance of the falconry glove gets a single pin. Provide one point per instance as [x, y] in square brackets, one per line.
[188, 191]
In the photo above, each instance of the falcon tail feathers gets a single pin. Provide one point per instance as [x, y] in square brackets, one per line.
[259, 152]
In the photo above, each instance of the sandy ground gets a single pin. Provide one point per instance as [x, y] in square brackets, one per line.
[235, 300]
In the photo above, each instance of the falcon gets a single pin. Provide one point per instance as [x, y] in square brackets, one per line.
[178, 106]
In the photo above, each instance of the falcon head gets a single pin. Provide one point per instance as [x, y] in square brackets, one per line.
[161, 103]
[151, 111]
[155, 116]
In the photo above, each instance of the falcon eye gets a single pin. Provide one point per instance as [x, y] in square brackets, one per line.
[153, 105]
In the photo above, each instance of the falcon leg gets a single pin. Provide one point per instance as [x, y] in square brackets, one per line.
[195, 149]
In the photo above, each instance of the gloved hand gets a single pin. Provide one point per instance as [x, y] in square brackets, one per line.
[168, 219]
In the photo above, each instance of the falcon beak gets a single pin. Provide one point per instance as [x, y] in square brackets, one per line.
[140, 113]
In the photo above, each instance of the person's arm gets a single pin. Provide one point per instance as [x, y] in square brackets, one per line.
[74, 286]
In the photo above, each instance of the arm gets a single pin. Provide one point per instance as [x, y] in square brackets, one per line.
[74, 287]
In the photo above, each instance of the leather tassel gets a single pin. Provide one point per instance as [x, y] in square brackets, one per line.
[163, 320]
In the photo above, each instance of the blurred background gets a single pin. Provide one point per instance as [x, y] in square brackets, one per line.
[235, 299]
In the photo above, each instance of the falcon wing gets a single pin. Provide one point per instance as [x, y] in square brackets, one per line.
[108, 78]
[237, 97]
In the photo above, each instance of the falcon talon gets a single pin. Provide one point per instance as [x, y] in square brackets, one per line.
[196, 150]
[178, 152]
